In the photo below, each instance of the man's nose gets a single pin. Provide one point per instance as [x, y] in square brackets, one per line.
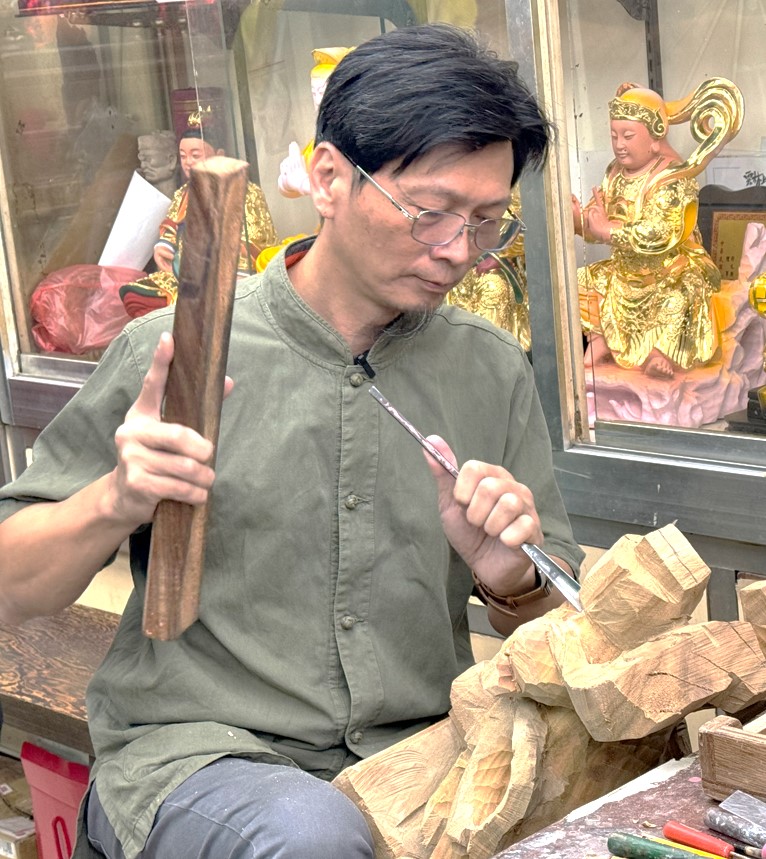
[460, 250]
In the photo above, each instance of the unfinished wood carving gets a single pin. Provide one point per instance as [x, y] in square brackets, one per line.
[573, 705]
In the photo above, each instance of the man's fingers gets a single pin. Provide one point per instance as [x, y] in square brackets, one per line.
[146, 470]
[437, 469]
[152, 434]
[149, 401]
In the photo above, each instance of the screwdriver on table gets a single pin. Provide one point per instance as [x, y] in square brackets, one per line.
[683, 834]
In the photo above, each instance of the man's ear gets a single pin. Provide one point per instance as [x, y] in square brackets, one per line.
[654, 148]
[329, 177]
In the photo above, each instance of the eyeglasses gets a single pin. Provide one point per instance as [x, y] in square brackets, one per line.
[437, 228]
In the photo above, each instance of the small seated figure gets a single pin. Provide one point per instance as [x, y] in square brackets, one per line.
[160, 288]
[293, 177]
[158, 156]
[496, 287]
[648, 306]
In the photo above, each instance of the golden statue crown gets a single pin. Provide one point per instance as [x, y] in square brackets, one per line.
[637, 104]
[197, 117]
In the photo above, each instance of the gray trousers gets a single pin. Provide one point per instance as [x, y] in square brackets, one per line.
[239, 809]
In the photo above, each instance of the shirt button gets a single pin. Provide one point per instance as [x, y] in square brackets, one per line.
[356, 737]
[356, 379]
[351, 501]
[347, 622]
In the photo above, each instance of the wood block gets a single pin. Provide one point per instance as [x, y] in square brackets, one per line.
[753, 599]
[653, 686]
[733, 757]
[572, 705]
[394, 785]
[644, 586]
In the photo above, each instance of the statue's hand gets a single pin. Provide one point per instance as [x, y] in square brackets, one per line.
[577, 216]
[293, 177]
[598, 224]
[163, 257]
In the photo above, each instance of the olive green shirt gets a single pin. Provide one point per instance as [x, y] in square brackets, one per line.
[333, 610]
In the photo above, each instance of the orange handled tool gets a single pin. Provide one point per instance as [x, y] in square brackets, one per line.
[682, 834]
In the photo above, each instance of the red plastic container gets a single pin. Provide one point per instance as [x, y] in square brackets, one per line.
[57, 786]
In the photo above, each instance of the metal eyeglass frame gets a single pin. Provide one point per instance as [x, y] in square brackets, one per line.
[514, 229]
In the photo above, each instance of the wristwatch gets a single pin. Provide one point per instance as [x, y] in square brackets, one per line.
[506, 604]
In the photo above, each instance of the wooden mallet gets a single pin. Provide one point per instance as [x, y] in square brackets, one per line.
[194, 391]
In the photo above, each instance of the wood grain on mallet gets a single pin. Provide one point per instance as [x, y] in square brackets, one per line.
[194, 391]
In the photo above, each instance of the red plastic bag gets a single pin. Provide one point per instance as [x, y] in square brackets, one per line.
[78, 309]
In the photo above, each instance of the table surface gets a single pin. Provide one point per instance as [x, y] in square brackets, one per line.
[45, 667]
[672, 791]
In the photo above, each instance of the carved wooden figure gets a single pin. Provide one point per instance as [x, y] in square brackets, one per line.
[572, 706]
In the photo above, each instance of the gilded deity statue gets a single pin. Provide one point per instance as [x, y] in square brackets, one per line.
[648, 305]
[496, 287]
[293, 176]
[160, 288]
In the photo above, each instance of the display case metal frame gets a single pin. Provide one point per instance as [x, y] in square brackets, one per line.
[624, 478]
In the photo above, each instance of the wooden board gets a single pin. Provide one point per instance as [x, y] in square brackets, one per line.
[733, 757]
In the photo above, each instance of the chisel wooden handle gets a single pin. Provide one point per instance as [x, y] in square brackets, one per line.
[194, 390]
[634, 847]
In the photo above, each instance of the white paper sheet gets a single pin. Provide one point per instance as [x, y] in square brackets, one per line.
[136, 227]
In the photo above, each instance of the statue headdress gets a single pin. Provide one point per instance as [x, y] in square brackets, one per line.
[199, 118]
[325, 59]
[715, 111]
[203, 123]
[639, 104]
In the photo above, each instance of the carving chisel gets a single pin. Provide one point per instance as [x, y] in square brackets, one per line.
[560, 579]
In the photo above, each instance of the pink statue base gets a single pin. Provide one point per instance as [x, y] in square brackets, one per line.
[695, 397]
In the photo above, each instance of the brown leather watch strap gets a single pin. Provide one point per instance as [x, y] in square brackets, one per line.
[506, 604]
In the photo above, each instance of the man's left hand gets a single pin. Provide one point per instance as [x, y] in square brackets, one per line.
[486, 515]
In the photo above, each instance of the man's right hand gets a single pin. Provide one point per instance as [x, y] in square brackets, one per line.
[157, 460]
[50, 551]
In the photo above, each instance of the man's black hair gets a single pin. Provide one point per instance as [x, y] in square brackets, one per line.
[405, 92]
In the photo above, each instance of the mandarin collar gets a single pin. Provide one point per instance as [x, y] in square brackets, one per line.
[305, 328]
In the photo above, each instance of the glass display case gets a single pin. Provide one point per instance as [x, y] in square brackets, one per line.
[96, 97]
[87, 91]
[660, 421]
[669, 272]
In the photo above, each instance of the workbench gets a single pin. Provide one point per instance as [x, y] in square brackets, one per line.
[45, 667]
[672, 791]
